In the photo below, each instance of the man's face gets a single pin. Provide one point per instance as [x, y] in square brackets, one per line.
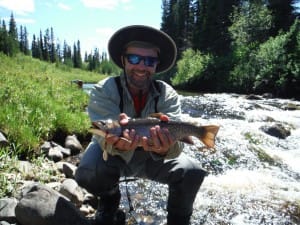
[139, 74]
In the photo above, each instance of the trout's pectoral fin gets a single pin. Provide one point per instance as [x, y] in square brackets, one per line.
[187, 140]
[156, 115]
[162, 117]
[209, 135]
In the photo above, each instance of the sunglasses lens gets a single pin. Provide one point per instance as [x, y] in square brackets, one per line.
[133, 59]
[136, 59]
[150, 61]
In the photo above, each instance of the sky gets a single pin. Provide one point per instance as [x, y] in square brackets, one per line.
[92, 22]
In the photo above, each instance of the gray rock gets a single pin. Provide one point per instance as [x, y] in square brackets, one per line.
[3, 140]
[45, 147]
[41, 205]
[66, 168]
[72, 143]
[72, 191]
[55, 154]
[54, 151]
[7, 210]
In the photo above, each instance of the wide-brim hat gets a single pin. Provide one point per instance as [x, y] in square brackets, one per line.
[160, 39]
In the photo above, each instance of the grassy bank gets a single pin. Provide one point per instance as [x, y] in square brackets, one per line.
[39, 102]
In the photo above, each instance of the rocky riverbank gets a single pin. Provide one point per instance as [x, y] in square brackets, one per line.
[45, 192]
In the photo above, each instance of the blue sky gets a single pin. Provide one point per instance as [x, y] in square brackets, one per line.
[90, 21]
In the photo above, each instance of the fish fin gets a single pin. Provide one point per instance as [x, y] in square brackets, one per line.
[156, 115]
[209, 135]
[188, 140]
[162, 117]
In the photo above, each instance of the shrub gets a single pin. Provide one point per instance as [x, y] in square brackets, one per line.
[190, 67]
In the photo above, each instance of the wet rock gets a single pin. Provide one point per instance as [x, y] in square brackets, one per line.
[73, 144]
[276, 130]
[253, 97]
[268, 95]
[41, 205]
[7, 209]
[291, 107]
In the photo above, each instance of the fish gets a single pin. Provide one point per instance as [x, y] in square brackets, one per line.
[179, 130]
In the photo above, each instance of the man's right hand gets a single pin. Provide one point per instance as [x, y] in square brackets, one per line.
[129, 141]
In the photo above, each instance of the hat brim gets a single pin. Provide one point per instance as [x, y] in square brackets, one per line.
[168, 50]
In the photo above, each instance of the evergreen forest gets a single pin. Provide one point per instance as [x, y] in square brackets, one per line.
[240, 46]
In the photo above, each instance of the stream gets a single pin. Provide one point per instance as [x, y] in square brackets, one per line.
[254, 178]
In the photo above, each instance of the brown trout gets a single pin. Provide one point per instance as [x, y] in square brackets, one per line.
[179, 130]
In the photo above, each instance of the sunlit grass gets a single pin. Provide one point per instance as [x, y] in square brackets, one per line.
[37, 99]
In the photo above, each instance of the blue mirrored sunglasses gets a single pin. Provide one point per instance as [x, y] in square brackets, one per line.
[136, 59]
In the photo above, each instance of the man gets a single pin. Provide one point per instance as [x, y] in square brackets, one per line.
[141, 52]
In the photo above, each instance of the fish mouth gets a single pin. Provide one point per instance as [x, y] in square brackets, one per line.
[97, 124]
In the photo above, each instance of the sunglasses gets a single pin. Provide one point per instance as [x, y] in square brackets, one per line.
[136, 59]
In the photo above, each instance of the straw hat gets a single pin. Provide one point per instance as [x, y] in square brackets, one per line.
[164, 42]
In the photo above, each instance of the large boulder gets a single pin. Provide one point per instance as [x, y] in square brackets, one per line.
[41, 205]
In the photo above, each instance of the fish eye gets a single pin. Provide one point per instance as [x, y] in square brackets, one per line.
[102, 123]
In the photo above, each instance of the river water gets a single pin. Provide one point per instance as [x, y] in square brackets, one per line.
[254, 178]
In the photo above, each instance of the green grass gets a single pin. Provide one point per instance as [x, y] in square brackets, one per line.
[38, 100]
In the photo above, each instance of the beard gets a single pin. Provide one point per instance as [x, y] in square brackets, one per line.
[137, 81]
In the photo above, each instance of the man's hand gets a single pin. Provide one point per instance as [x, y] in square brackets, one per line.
[129, 141]
[161, 139]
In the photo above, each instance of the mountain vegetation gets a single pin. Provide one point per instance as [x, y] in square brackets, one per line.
[242, 46]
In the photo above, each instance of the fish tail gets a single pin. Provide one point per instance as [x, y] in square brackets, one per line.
[209, 134]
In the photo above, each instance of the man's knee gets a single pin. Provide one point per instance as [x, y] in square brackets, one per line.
[85, 178]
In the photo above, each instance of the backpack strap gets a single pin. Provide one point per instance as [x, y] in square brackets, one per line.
[120, 90]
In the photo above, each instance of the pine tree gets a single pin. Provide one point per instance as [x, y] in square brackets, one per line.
[52, 50]
[211, 23]
[4, 38]
[23, 41]
[67, 55]
[26, 43]
[34, 47]
[47, 46]
[41, 46]
[79, 58]
[283, 12]
[13, 44]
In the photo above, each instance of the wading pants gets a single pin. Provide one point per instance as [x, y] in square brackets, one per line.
[182, 174]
